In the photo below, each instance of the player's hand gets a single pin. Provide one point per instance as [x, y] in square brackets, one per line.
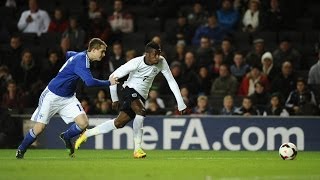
[115, 105]
[113, 80]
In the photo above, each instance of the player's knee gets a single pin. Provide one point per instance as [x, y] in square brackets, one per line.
[82, 121]
[38, 128]
[141, 112]
[83, 124]
[119, 124]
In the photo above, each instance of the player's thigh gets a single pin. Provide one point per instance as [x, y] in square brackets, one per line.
[138, 107]
[122, 119]
[82, 121]
[71, 109]
[47, 107]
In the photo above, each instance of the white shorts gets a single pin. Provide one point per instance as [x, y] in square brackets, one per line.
[50, 104]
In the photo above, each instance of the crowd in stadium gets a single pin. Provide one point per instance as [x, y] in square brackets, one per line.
[229, 57]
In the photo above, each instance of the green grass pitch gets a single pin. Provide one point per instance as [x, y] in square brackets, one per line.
[159, 164]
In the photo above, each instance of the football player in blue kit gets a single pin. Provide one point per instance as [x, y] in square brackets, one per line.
[59, 96]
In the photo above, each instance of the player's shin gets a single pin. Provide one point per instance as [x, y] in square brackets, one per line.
[101, 128]
[29, 138]
[137, 131]
[73, 131]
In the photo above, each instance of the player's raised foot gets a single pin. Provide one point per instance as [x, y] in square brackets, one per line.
[68, 144]
[139, 153]
[82, 139]
[20, 154]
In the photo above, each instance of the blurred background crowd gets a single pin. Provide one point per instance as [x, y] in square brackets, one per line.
[229, 57]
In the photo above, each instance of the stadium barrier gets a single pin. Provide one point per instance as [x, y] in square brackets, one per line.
[199, 133]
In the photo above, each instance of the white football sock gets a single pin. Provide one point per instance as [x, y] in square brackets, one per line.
[101, 128]
[137, 131]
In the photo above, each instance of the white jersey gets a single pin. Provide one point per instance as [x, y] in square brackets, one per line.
[141, 77]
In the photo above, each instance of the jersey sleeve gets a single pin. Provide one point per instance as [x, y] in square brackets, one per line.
[173, 85]
[85, 74]
[126, 68]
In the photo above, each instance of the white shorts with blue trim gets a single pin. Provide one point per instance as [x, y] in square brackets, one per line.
[50, 104]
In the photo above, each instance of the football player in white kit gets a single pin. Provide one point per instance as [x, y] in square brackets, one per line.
[59, 96]
[142, 71]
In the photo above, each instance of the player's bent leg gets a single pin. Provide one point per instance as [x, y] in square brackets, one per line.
[29, 138]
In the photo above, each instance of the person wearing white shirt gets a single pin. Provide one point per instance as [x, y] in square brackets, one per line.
[34, 20]
[142, 70]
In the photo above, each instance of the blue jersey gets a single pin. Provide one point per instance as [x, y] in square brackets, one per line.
[75, 68]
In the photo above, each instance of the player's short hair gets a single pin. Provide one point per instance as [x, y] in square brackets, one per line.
[96, 43]
[153, 45]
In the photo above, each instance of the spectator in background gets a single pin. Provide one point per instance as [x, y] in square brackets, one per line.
[75, 34]
[217, 61]
[225, 84]
[227, 49]
[117, 58]
[247, 85]
[276, 108]
[86, 105]
[34, 20]
[13, 98]
[12, 54]
[154, 96]
[285, 52]
[130, 54]
[5, 77]
[302, 101]
[286, 80]
[260, 97]
[212, 30]
[314, 73]
[273, 20]
[189, 63]
[228, 106]
[105, 108]
[58, 24]
[247, 108]
[154, 108]
[97, 25]
[204, 52]
[204, 81]
[28, 72]
[101, 96]
[239, 68]
[227, 16]
[253, 57]
[180, 52]
[267, 66]
[120, 21]
[180, 32]
[198, 16]
[94, 10]
[203, 107]
[252, 17]
[50, 67]
[64, 47]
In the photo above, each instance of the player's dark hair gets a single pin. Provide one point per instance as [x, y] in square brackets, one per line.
[152, 45]
[96, 43]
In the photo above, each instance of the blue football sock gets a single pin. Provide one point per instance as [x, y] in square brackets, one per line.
[28, 140]
[73, 131]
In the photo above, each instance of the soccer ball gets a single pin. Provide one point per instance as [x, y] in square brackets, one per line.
[288, 151]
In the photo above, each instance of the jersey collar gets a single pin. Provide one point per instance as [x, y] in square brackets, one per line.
[87, 61]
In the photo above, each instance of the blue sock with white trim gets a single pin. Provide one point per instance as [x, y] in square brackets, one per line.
[29, 138]
[73, 131]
